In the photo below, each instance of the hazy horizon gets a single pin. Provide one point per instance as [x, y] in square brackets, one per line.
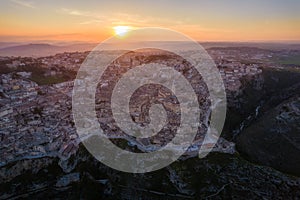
[62, 42]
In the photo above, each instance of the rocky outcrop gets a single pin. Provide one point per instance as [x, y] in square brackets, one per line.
[218, 176]
[274, 140]
[258, 95]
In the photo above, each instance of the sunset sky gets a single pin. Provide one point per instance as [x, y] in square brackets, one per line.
[227, 20]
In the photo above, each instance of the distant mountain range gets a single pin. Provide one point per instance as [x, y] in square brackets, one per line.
[39, 50]
[45, 49]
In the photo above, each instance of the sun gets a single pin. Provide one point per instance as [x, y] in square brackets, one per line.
[121, 30]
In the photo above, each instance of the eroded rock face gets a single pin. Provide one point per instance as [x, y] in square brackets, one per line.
[274, 140]
[257, 96]
[217, 176]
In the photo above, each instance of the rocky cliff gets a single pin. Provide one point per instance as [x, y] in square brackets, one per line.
[214, 177]
[274, 139]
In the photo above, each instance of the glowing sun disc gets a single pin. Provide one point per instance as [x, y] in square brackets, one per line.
[121, 30]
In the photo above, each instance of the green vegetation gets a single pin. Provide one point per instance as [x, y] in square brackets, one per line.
[38, 74]
[46, 80]
[288, 60]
